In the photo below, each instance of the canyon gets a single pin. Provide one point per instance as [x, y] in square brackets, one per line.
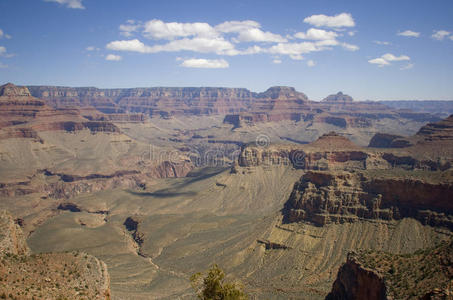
[277, 189]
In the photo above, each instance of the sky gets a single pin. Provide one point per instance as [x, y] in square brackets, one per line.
[371, 50]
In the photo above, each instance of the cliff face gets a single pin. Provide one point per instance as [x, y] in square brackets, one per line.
[52, 275]
[159, 101]
[425, 274]
[325, 197]
[240, 106]
[22, 116]
[354, 282]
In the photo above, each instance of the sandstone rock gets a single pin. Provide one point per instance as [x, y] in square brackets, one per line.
[338, 98]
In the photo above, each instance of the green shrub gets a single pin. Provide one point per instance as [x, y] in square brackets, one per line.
[213, 286]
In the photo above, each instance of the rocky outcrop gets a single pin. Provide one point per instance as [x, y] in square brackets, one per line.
[384, 140]
[355, 282]
[374, 275]
[328, 197]
[12, 240]
[330, 151]
[71, 185]
[338, 98]
[51, 275]
[439, 131]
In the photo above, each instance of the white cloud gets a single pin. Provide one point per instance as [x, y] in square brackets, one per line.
[227, 37]
[351, 33]
[385, 59]
[205, 63]
[130, 45]
[350, 47]
[379, 61]
[337, 21]
[130, 28]
[409, 33]
[257, 35]
[407, 67]
[311, 63]
[5, 53]
[90, 48]
[316, 34]
[294, 50]
[236, 26]
[69, 3]
[158, 29]
[391, 57]
[440, 35]
[4, 35]
[381, 42]
[277, 61]
[113, 57]
[202, 45]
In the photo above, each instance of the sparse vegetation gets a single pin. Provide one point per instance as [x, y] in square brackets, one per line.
[214, 287]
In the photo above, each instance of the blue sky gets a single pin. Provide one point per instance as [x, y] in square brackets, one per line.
[368, 49]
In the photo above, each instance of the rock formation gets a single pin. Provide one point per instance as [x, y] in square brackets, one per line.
[425, 274]
[23, 115]
[326, 197]
[239, 106]
[51, 275]
[338, 98]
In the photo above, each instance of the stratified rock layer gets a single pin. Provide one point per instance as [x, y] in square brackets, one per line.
[425, 274]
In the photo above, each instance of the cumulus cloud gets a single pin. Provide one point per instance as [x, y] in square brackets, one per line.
[4, 35]
[316, 34]
[5, 53]
[350, 47]
[227, 38]
[337, 21]
[440, 35]
[294, 50]
[409, 33]
[277, 61]
[69, 3]
[130, 28]
[205, 63]
[202, 45]
[113, 57]
[385, 59]
[257, 35]
[128, 45]
[237, 26]
[391, 57]
[381, 42]
[311, 63]
[158, 29]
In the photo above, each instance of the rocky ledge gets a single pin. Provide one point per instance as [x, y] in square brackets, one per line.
[338, 197]
[47, 276]
[425, 274]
